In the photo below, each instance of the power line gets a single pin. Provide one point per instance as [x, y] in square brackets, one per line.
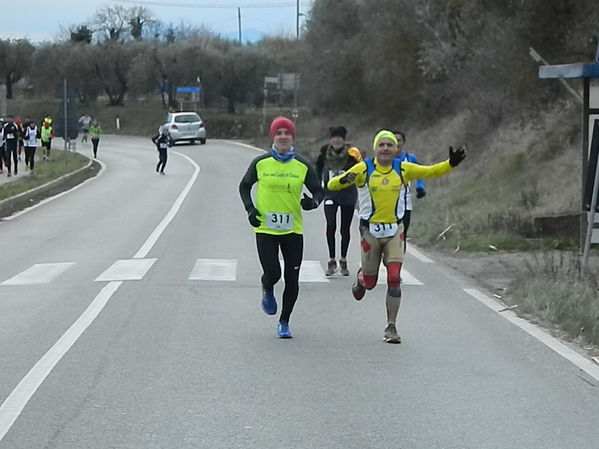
[213, 5]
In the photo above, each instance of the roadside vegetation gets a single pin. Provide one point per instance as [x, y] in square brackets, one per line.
[61, 164]
[446, 72]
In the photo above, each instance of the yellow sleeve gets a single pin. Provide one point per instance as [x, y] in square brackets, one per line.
[359, 169]
[355, 153]
[412, 171]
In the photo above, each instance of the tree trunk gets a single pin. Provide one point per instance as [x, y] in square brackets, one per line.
[230, 105]
[8, 86]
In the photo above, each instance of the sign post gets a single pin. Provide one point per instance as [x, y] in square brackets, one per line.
[586, 71]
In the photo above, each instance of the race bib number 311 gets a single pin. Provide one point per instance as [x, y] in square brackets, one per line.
[381, 230]
[279, 222]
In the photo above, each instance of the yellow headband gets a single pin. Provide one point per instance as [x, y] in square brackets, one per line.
[384, 133]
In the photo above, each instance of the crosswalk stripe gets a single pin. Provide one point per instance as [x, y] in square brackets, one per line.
[312, 271]
[214, 270]
[127, 270]
[40, 273]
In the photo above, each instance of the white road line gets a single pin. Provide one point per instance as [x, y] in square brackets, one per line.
[214, 270]
[52, 198]
[16, 401]
[40, 273]
[245, 145]
[14, 404]
[406, 276]
[311, 271]
[127, 270]
[155, 235]
[418, 255]
[551, 342]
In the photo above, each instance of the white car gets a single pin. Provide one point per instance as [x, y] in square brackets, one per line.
[185, 126]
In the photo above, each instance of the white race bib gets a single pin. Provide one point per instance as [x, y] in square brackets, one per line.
[163, 145]
[10, 136]
[279, 222]
[381, 230]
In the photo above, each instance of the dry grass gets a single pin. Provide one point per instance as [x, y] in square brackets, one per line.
[556, 290]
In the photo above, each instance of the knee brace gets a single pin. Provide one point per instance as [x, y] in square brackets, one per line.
[393, 275]
[370, 281]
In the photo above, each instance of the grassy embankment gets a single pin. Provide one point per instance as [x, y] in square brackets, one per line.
[61, 163]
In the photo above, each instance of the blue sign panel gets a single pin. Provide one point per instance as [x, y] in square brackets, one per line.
[190, 90]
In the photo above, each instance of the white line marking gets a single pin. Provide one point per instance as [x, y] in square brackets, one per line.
[52, 198]
[418, 255]
[13, 405]
[127, 270]
[241, 144]
[406, 276]
[40, 273]
[214, 270]
[155, 235]
[551, 342]
[311, 271]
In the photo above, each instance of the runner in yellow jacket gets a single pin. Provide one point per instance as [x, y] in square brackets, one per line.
[380, 181]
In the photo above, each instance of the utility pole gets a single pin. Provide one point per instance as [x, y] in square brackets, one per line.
[297, 16]
[239, 22]
[66, 116]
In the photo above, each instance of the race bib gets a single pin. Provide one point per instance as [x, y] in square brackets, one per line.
[381, 230]
[279, 222]
[10, 136]
[163, 145]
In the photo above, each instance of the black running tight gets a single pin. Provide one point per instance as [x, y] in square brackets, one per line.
[292, 248]
[162, 158]
[347, 213]
[30, 157]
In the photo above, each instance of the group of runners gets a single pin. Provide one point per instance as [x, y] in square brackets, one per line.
[18, 137]
[342, 178]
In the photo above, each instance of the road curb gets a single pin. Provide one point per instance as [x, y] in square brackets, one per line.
[31, 197]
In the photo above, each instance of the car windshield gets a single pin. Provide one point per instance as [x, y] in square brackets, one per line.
[187, 118]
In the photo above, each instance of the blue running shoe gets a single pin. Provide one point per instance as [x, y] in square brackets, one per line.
[269, 303]
[283, 330]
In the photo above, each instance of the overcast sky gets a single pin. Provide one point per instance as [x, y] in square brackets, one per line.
[279, 18]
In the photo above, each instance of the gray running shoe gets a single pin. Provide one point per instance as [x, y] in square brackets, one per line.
[391, 335]
[332, 267]
[343, 268]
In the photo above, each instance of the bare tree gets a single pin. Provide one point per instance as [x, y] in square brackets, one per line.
[15, 60]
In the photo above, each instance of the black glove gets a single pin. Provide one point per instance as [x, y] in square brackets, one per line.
[348, 178]
[308, 203]
[253, 215]
[457, 156]
[420, 193]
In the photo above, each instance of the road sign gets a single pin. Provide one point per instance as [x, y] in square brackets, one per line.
[188, 89]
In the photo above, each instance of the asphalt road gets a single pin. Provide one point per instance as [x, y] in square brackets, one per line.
[130, 318]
